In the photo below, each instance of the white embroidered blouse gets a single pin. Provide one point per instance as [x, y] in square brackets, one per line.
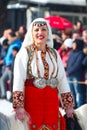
[20, 70]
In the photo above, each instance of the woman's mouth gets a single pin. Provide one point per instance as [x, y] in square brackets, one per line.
[40, 37]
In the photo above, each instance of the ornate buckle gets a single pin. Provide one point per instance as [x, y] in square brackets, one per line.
[53, 82]
[42, 83]
[39, 82]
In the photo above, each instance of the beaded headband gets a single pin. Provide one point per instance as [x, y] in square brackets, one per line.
[39, 23]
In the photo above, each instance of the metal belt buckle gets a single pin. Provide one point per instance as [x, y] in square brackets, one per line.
[53, 82]
[39, 82]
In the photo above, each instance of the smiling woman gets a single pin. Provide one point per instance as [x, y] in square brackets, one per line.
[38, 76]
[40, 35]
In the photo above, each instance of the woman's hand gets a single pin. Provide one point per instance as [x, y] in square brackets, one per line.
[70, 112]
[20, 113]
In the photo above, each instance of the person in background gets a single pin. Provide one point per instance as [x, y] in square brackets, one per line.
[85, 73]
[65, 51]
[67, 33]
[12, 41]
[76, 35]
[57, 41]
[38, 76]
[0, 58]
[84, 37]
[7, 61]
[3, 52]
[79, 26]
[15, 50]
[6, 79]
[21, 32]
[74, 71]
[5, 35]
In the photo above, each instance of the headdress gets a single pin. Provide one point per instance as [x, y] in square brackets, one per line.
[28, 37]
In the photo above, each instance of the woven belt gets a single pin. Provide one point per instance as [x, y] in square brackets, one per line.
[42, 83]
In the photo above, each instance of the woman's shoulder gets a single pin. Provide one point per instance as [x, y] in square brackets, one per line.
[22, 53]
[81, 53]
[54, 51]
[56, 54]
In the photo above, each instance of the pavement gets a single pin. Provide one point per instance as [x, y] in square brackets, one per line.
[5, 107]
[6, 111]
[7, 118]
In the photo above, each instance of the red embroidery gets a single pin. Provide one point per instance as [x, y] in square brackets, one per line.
[18, 99]
[67, 100]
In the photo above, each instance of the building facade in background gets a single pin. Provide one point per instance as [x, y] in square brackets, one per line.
[24, 11]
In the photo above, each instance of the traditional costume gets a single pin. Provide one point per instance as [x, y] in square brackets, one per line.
[38, 79]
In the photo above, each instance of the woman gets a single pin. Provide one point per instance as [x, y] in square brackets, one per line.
[38, 76]
[67, 33]
[74, 71]
[65, 51]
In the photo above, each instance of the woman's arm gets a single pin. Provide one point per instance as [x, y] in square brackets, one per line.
[64, 90]
[20, 70]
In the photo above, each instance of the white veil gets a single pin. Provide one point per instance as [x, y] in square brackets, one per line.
[29, 39]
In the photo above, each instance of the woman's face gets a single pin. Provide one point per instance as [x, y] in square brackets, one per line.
[64, 37]
[40, 34]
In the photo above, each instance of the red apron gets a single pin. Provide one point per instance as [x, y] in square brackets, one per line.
[42, 106]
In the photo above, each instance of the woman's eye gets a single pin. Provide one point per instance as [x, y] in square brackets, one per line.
[43, 29]
[36, 30]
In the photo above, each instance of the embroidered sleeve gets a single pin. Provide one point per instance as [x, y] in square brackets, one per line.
[20, 69]
[67, 100]
[63, 86]
[18, 99]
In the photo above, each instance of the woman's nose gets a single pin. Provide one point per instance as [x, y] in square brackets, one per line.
[40, 31]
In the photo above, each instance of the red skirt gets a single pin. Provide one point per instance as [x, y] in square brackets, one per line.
[42, 106]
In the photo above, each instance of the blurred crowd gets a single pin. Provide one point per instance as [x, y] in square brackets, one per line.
[10, 44]
[71, 44]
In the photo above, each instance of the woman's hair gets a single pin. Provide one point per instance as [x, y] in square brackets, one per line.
[68, 32]
[79, 44]
[29, 38]
[5, 42]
